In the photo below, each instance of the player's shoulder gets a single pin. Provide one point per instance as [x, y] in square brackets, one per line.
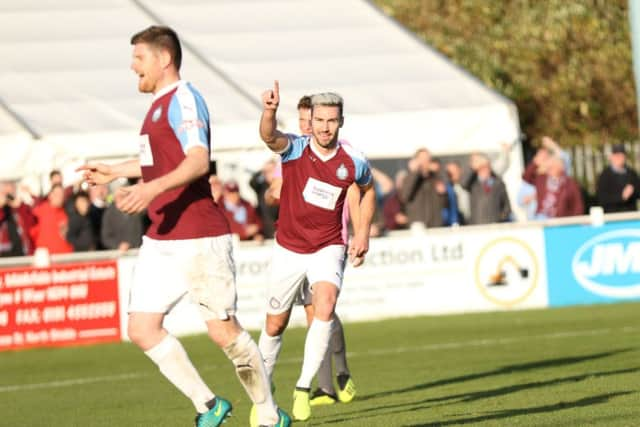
[186, 91]
[299, 139]
[189, 100]
[352, 151]
[295, 146]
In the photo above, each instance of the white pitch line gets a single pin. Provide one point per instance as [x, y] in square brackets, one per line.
[67, 383]
[293, 360]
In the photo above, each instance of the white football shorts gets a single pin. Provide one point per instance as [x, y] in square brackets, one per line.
[289, 272]
[167, 270]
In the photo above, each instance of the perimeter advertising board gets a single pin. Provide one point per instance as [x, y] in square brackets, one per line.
[589, 265]
[59, 305]
[453, 271]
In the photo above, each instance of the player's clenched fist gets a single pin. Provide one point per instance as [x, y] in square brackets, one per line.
[271, 97]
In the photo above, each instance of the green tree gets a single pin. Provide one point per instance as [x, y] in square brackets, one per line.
[565, 63]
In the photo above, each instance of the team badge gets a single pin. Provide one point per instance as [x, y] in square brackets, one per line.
[342, 172]
[156, 114]
[274, 303]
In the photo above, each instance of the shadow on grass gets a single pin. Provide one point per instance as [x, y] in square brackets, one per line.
[478, 395]
[508, 413]
[523, 367]
[495, 415]
[501, 391]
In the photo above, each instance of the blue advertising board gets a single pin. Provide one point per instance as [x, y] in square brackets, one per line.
[587, 264]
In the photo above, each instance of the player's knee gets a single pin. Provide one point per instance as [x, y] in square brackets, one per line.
[142, 335]
[275, 327]
[324, 306]
[137, 336]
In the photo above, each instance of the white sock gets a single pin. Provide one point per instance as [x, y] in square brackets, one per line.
[315, 347]
[174, 364]
[246, 357]
[270, 349]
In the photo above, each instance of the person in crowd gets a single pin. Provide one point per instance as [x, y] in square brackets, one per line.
[557, 195]
[98, 195]
[121, 231]
[52, 223]
[16, 221]
[618, 187]
[527, 200]
[454, 175]
[80, 232]
[260, 183]
[393, 211]
[55, 178]
[242, 216]
[450, 214]
[488, 198]
[423, 193]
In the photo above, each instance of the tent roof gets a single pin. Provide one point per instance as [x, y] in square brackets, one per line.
[65, 68]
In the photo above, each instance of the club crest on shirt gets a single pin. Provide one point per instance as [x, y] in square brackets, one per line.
[342, 172]
[156, 114]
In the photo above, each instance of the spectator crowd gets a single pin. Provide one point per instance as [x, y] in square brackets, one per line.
[425, 192]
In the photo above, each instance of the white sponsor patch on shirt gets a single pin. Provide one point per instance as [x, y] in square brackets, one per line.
[321, 194]
[146, 156]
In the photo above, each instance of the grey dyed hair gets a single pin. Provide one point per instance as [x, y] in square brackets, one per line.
[328, 99]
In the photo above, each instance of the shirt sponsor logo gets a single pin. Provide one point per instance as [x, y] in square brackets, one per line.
[156, 114]
[609, 264]
[321, 194]
[187, 125]
[146, 155]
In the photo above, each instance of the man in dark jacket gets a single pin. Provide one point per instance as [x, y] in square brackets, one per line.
[80, 232]
[423, 192]
[618, 186]
[489, 201]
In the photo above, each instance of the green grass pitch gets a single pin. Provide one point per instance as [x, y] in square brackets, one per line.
[560, 367]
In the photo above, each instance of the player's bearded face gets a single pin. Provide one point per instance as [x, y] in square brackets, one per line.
[146, 64]
[325, 124]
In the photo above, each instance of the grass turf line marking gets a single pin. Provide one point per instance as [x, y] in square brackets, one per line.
[68, 383]
[438, 346]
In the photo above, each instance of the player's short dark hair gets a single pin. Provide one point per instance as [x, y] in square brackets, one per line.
[161, 37]
[305, 103]
[54, 172]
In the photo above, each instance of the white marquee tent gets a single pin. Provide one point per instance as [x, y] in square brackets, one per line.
[67, 93]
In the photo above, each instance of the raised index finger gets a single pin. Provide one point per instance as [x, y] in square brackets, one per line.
[276, 88]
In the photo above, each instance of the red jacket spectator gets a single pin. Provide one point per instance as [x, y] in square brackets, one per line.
[51, 229]
[558, 195]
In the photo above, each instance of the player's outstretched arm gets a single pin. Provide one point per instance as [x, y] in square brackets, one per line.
[275, 140]
[136, 198]
[100, 173]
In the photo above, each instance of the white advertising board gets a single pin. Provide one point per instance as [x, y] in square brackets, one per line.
[437, 272]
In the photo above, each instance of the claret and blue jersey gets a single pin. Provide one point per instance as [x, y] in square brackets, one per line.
[177, 121]
[313, 193]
